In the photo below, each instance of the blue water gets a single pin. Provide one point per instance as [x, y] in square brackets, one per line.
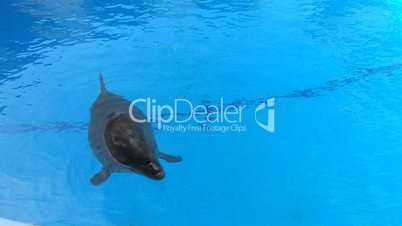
[334, 67]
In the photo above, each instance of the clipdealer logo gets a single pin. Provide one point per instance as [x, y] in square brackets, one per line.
[268, 106]
[211, 118]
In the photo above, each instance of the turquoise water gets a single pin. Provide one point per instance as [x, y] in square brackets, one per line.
[333, 67]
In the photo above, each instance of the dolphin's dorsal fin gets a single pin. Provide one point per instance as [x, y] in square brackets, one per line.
[102, 83]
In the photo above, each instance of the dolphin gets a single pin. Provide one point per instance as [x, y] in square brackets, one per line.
[121, 144]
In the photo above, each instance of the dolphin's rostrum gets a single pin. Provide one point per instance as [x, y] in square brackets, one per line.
[121, 144]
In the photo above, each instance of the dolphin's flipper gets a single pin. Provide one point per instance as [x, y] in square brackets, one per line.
[100, 177]
[169, 158]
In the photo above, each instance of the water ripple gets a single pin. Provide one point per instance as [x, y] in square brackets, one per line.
[358, 75]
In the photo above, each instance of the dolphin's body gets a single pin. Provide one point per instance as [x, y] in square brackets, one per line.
[121, 144]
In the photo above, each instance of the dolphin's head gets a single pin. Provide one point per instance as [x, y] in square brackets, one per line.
[152, 169]
[128, 144]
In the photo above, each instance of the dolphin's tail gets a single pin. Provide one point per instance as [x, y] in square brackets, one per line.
[102, 83]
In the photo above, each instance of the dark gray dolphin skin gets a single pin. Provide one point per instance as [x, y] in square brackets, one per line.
[121, 144]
